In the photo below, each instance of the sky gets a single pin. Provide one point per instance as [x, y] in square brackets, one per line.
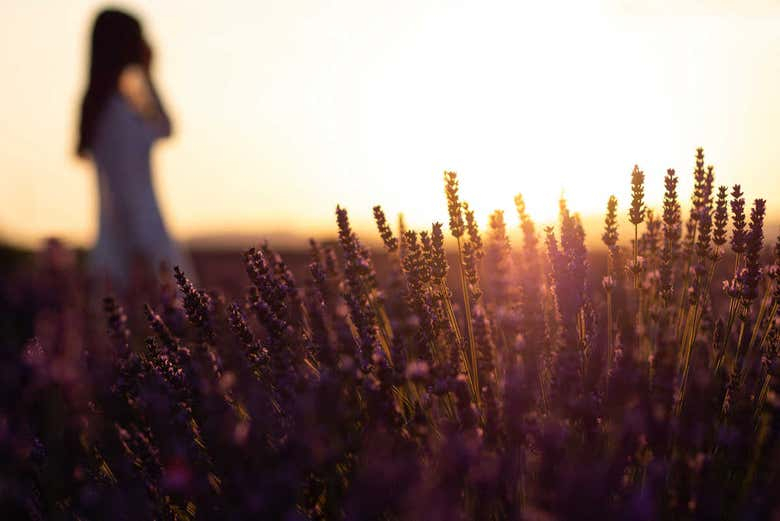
[283, 109]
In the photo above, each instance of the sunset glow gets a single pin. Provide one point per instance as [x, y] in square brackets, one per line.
[363, 103]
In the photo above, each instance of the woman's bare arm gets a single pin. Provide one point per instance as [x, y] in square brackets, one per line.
[136, 86]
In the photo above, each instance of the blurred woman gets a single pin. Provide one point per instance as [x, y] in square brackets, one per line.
[121, 118]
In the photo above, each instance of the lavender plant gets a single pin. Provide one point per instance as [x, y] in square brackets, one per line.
[507, 386]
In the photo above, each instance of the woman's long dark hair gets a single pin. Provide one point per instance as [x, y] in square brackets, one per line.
[117, 41]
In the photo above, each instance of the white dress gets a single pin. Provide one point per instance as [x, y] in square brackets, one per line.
[131, 232]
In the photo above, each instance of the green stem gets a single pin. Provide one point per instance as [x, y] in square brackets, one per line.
[469, 326]
[759, 319]
[769, 327]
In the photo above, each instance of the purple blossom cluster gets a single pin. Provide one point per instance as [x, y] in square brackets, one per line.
[469, 380]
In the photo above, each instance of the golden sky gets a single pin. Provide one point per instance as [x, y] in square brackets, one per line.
[283, 109]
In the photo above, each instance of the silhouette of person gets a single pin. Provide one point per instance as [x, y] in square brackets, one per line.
[121, 118]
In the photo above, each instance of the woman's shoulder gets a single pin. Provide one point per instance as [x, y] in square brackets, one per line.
[120, 123]
[118, 118]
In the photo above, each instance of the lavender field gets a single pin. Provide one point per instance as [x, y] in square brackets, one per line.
[451, 375]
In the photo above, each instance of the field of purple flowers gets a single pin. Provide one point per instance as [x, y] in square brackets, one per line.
[465, 379]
